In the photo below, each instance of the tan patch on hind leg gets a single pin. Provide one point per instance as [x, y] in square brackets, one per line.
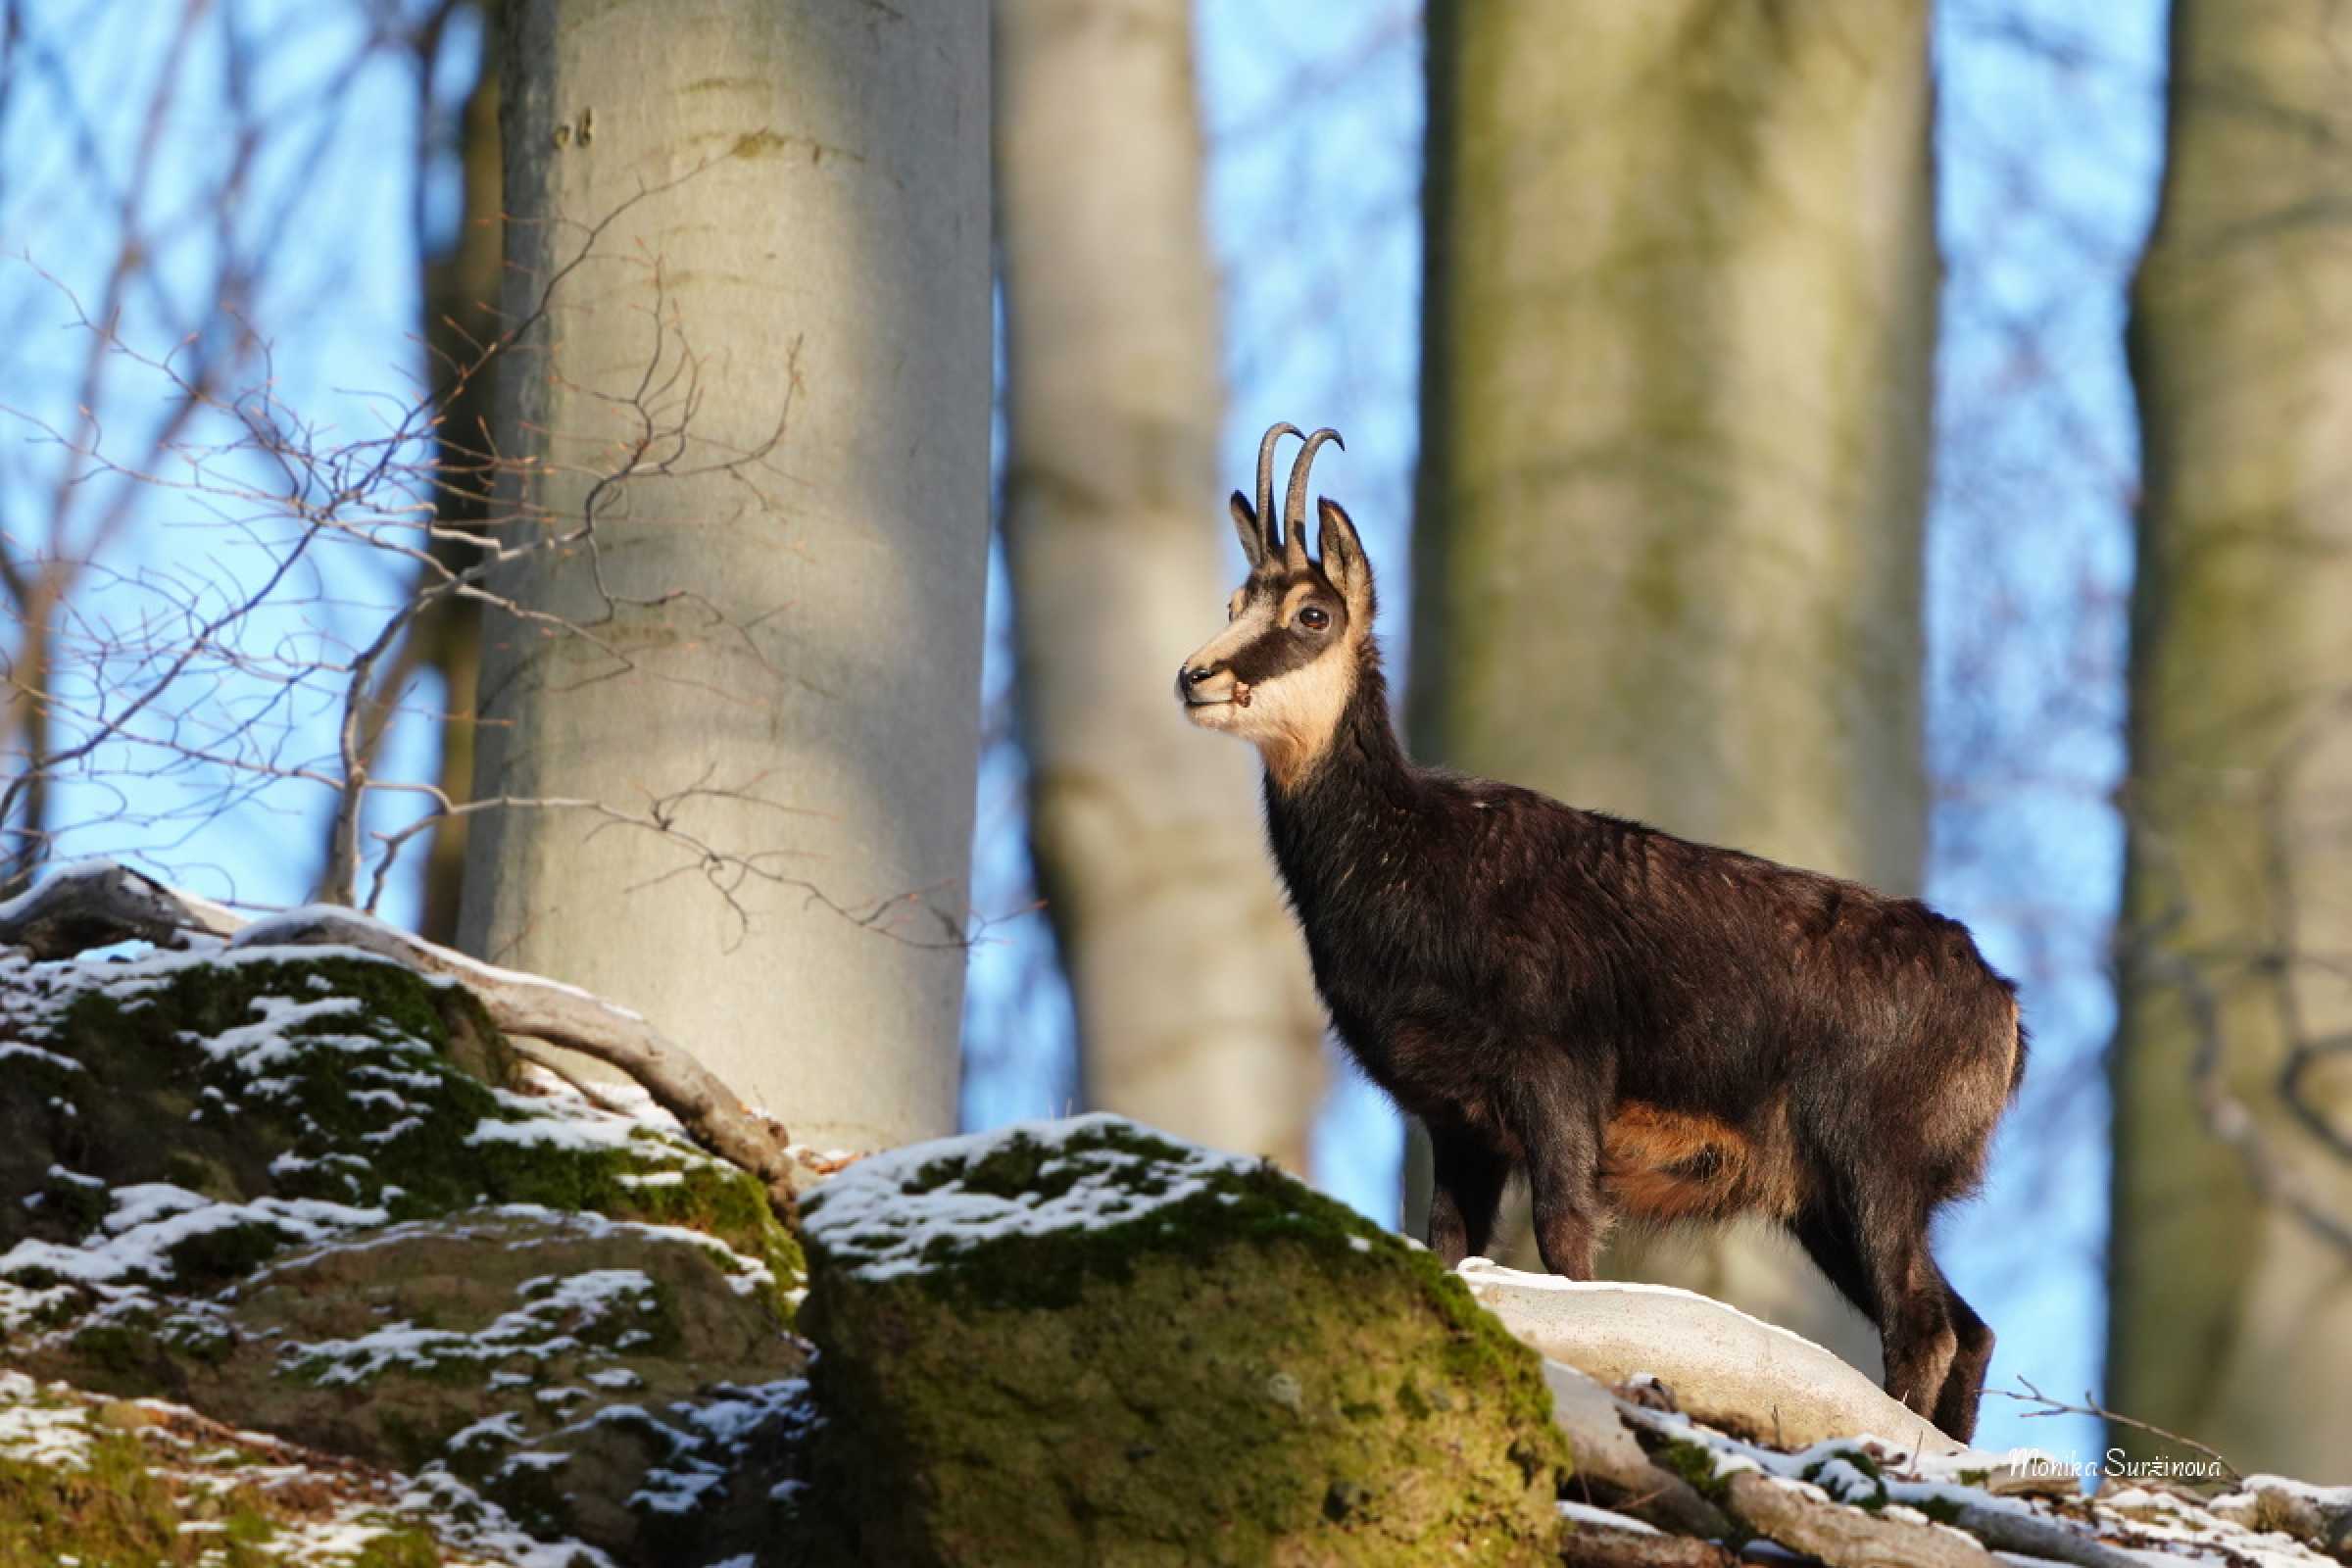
[1660, 1164]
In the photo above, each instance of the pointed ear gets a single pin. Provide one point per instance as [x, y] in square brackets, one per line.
[1245, 523]
[1343, 556]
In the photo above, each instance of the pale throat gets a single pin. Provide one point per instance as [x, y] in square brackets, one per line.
[1301, 714]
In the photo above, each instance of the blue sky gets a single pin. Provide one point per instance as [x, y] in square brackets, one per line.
[2049, 145]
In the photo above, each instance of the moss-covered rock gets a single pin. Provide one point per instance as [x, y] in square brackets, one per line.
[300, 1190]
[1084, 1342]
[570, 1368]
[179, 1119]
[105, 1483]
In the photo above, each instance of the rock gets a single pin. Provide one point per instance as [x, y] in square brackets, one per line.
[2320, 1516]
[1724, 1367]
[1036, 1343]
[298, 1189]
[91, 1482]
[180, 1118]
[596, 1378]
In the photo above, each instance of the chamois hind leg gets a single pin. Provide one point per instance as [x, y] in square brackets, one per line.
[1915, 1322]
[1963, 1384]
[1465, 1194]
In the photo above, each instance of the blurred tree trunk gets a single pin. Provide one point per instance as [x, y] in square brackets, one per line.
[785, 668]
[2231, 1315]
[1195, 1009]
[460, 319]
[1680, 324]
[460, 298]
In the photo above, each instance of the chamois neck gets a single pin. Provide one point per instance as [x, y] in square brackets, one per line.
[1336, 814]
[1362, 760]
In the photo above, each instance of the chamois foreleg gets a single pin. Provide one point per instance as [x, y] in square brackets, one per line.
[1465, 1194]
[1560, 1129]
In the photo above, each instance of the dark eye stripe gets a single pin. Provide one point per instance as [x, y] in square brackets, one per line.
[1272, 656]
[1278, 652]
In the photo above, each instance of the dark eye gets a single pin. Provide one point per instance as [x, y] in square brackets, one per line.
[1314, 618]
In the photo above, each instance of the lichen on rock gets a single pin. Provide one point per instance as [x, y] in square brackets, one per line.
[1081, 1338]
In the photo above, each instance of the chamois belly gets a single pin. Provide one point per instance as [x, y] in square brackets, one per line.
[1449, 1059]
[1662, 1164]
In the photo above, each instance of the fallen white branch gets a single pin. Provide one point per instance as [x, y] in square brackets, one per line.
[96, 903]
[1725, 1368]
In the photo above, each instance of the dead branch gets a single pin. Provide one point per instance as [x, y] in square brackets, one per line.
[1613, 1469]
[2091, 1407]
[1700, 1487]
[2032, 1536]
[1804, 1520]
[1593, 1544]
[95, 904]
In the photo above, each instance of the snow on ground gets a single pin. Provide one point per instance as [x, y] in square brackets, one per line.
[863, 1216]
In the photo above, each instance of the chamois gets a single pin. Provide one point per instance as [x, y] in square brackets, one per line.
[1652, 1028]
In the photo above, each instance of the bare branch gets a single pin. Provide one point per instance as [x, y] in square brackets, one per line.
[2047, 1405]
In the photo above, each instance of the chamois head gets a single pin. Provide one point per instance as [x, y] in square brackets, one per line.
[1281, 672]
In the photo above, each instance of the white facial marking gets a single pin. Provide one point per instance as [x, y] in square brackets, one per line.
[1290, 717]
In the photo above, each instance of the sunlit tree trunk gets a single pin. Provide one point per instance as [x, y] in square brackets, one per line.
[781, 688]
[1679, 320]
[1195, 1011]
[2231, 1313]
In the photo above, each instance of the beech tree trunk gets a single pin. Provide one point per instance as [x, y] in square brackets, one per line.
[1680, 324]
[2231, 1315]
[1195, 1008]
[784, 669]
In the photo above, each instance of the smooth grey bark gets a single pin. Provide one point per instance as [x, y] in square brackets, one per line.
[1678, 326]
[785, 650]
[2230, 1251]
[1195, 1008]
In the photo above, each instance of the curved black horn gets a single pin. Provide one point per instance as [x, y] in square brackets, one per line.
[1265, 479]
[1293, 506]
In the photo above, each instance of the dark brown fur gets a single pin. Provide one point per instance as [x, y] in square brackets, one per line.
[1651, 1027]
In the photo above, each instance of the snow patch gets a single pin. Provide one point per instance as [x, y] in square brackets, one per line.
[886, 1215]
[150, 1220]
[10, 1050]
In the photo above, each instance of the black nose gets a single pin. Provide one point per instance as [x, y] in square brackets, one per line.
[1195, 675]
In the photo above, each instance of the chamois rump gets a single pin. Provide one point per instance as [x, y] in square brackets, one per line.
[1652, 1028]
